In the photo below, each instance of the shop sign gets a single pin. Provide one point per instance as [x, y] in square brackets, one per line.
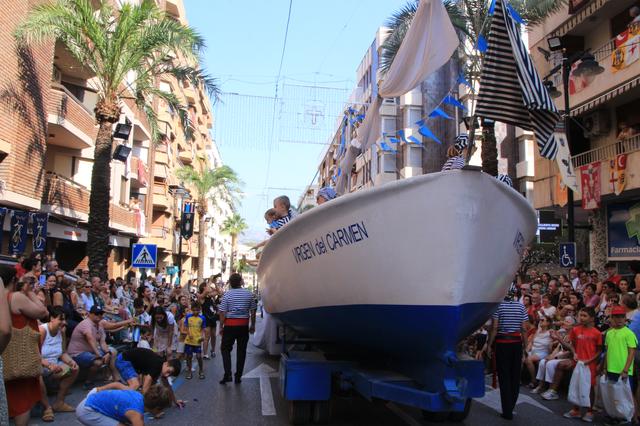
[623, 231]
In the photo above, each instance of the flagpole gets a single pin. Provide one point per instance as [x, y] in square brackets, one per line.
[472, 133]
[566, 67]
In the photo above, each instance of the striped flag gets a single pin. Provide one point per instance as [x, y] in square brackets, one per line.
[511, 90]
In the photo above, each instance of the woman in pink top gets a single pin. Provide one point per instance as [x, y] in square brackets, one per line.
[591, 299]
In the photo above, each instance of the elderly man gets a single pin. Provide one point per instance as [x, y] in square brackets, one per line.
[88, 346]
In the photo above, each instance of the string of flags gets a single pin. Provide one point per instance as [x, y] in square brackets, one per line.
[353, 117]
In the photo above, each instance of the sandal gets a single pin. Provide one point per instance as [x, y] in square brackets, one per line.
[201, 376]
[63, 408]
[189, 376]
[47, 415]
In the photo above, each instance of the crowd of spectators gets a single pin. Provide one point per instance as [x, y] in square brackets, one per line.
[95, 331]
[580, 317]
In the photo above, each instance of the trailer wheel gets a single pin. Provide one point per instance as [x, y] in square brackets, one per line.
[459, 416]
[321, 412]
[299, 412]
[435, 416]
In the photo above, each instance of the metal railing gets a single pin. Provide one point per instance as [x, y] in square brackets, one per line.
[606, 152]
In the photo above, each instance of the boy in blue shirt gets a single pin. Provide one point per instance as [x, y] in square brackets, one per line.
[115, 404]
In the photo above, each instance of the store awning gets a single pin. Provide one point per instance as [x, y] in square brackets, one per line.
[592, 104]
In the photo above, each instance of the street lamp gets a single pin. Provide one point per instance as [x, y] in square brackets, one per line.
[180, 192]
[588, 67]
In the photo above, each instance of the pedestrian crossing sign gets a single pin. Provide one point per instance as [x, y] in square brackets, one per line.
[144, 255]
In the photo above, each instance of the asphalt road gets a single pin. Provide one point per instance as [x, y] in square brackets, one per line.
[209, 403]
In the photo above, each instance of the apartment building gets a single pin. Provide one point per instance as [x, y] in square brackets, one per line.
[605, 126]
[375, 166]
[47, 134]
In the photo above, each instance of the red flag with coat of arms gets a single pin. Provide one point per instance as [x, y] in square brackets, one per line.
[590, 179]
[617, 173]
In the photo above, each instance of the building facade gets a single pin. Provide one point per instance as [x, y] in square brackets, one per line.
[47, 137]
[605, 127]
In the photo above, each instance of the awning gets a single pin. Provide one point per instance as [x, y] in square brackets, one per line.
[579, 17]
[588, 106]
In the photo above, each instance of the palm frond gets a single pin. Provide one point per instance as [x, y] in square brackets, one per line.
[234, 225]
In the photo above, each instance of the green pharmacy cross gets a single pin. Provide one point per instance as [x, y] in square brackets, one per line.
[633, 224]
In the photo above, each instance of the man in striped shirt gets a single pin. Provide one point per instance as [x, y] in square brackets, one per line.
[237, 313]
[508, 333]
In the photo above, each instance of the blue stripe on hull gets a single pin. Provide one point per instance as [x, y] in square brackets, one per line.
[403, 331]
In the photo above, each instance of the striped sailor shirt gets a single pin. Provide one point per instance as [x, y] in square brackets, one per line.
[237, 303]
[510, 315]
[453, 163]
[278, 223]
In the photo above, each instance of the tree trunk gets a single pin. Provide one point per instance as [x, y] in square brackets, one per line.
[201, 240]
[489, 148]
[98, 235]
[232, 266]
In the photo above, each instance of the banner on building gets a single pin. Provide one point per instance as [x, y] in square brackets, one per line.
[39, 222]
[3, 213]
[617, 173]
[565, 165]
[627, 48]
[623, 231]
[590, 179]
[19, 224]
[562, 193]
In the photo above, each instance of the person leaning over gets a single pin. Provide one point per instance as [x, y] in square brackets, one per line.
[237, 312]
[115, 404]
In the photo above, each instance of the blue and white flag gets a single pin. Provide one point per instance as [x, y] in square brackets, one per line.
[19, 224]
[511, 91]
[39, 223]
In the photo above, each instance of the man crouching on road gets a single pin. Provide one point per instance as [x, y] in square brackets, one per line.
[139, 361]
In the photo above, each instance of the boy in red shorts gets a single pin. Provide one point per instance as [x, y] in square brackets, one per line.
[586, 345]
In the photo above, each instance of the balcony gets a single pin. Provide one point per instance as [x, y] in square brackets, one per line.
[546, 171]
[161, 198]
[64, 197]
[185, 156]
[160, 236]
[122, 219]
[589, 92]
[71, 123]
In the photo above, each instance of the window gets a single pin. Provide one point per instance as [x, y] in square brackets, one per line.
[412, 156]
[411, 116]
[387, 162]
[388, 124]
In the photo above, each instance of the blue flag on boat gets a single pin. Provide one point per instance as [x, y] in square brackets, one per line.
[427, 133]
[439, 113]
[415, 140]
[403, 136]
[482, 43]
[492, 7]
[515, 15]
[420, 122]
[453, 101]
[386, 147]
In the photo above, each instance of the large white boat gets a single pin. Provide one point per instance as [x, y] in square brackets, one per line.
[407, 269]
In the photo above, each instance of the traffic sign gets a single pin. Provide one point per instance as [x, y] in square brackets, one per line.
[568, 255]
[144, 255]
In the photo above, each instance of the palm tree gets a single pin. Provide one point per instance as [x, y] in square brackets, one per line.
[137, 43]
[234, 226]
[209, 185]
[471, 19]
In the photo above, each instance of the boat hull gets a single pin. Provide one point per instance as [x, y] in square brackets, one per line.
[407, 269]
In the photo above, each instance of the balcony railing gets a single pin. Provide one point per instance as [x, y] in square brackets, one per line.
[607, 152]
[63, 105]
[65, 196]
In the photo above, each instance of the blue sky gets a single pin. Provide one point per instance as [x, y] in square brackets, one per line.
[327, 40]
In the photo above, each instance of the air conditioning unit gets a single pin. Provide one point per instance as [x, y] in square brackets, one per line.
[390, 101]
[597, 123]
